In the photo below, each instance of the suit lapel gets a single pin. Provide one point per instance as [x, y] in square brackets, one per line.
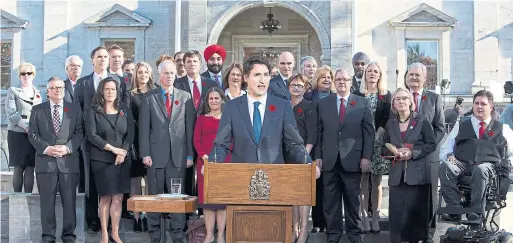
[48, 113]
[90, 83]
[334, 108]
[69, 87]
[423, 103]
[204, 86]
[64, 130]
[244, 110]
[281, 83]
[350, 105]
[396, 131]
[410, 127]
[185, 84]
[160, 103]
[268, 117]
[177, 97]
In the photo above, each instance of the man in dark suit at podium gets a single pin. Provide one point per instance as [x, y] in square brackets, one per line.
[259, 126]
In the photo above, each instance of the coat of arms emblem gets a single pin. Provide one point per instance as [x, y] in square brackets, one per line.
[259, 187]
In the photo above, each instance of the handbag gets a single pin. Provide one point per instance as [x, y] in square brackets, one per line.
[196, 231]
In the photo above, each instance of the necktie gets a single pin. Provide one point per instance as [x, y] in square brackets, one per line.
[56, 119]
[169, 107]
[415, 95]
[342, 111]
[286, 83]
[216, 77]
[196, 97]
[257, 121]
[482, 129]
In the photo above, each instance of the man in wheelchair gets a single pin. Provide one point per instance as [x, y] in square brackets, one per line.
[472, 155]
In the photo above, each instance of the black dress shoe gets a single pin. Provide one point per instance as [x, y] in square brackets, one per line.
[145, 224]
[111, 240]
[451, 217]
[137, 225]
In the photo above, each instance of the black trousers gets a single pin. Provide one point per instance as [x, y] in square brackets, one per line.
[318, 219]
[67, 185]
[81, 182]
[91, 203]
[157, 178]
[339, 183]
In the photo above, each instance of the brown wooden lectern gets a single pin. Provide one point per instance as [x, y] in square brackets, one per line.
[259, 198]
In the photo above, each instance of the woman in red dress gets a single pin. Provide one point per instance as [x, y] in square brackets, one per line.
[204, 134]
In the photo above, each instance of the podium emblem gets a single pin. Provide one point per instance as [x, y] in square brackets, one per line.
[259, 186]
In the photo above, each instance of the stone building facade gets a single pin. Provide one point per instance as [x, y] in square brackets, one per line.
[469, 43]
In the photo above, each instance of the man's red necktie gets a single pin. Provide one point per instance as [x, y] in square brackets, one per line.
[169, 107]
[196, 97]
[482, 129]
[415, 95]
[342, 111]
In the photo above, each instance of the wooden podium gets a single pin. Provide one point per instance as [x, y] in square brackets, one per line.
[259, 197]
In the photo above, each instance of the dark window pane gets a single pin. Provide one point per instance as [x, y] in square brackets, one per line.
[127, 45]
[5, 64]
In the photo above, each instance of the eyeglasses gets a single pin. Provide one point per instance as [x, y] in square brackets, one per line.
[236, 75]
[297, 86]
[58, 88]
[27, 73]
[343, 79]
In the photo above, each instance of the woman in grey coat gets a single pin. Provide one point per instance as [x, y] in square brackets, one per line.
[409, 138]
[18, 106]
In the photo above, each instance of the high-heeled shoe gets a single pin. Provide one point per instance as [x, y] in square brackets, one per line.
[111, 239]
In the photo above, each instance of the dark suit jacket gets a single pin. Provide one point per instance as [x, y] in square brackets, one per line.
[278, 88]
[206, 83]
[356, 86]
[100, 131]
[306, 118]
[431, 108]
[279, 131]
[383, 109]
[422, 138]
[162, 137]
[41, 135]
[84, 91]
[69, 94]
[352, 140]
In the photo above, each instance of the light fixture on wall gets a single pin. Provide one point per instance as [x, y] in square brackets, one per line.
[270, 25]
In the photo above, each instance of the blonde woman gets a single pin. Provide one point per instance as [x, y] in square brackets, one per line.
[373, 88]
[322, 84]
[18, 106]
[142, 82]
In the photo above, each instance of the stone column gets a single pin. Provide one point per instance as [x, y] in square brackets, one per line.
[194, 26]
[486, 46]
[341, 34]
[55, 39]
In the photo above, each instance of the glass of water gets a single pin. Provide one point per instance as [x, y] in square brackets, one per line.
[176, 185]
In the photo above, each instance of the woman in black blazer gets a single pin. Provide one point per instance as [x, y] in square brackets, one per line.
[142, 82]
[110, 129]
[306, 117]
[374, 89]
[413, 137]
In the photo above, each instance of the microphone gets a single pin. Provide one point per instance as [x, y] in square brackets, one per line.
[221, 134]
[289, 129]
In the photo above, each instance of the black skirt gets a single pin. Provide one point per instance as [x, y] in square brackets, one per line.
[21, 151]
[111, 179]
[409, 212]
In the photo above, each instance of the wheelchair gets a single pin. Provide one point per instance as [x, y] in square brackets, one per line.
[477, 231]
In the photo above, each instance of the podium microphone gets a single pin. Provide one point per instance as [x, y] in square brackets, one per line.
[221, 135]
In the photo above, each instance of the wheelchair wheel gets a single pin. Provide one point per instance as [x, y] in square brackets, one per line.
[506, 237]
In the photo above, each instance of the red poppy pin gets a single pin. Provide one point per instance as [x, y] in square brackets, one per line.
[424, 97]
[300, 110]
[38, 96]
[121, 113]
[177, 102]
[272, 108]
[381, 97]
[490, 133]
[353, 103]
[65, 109]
